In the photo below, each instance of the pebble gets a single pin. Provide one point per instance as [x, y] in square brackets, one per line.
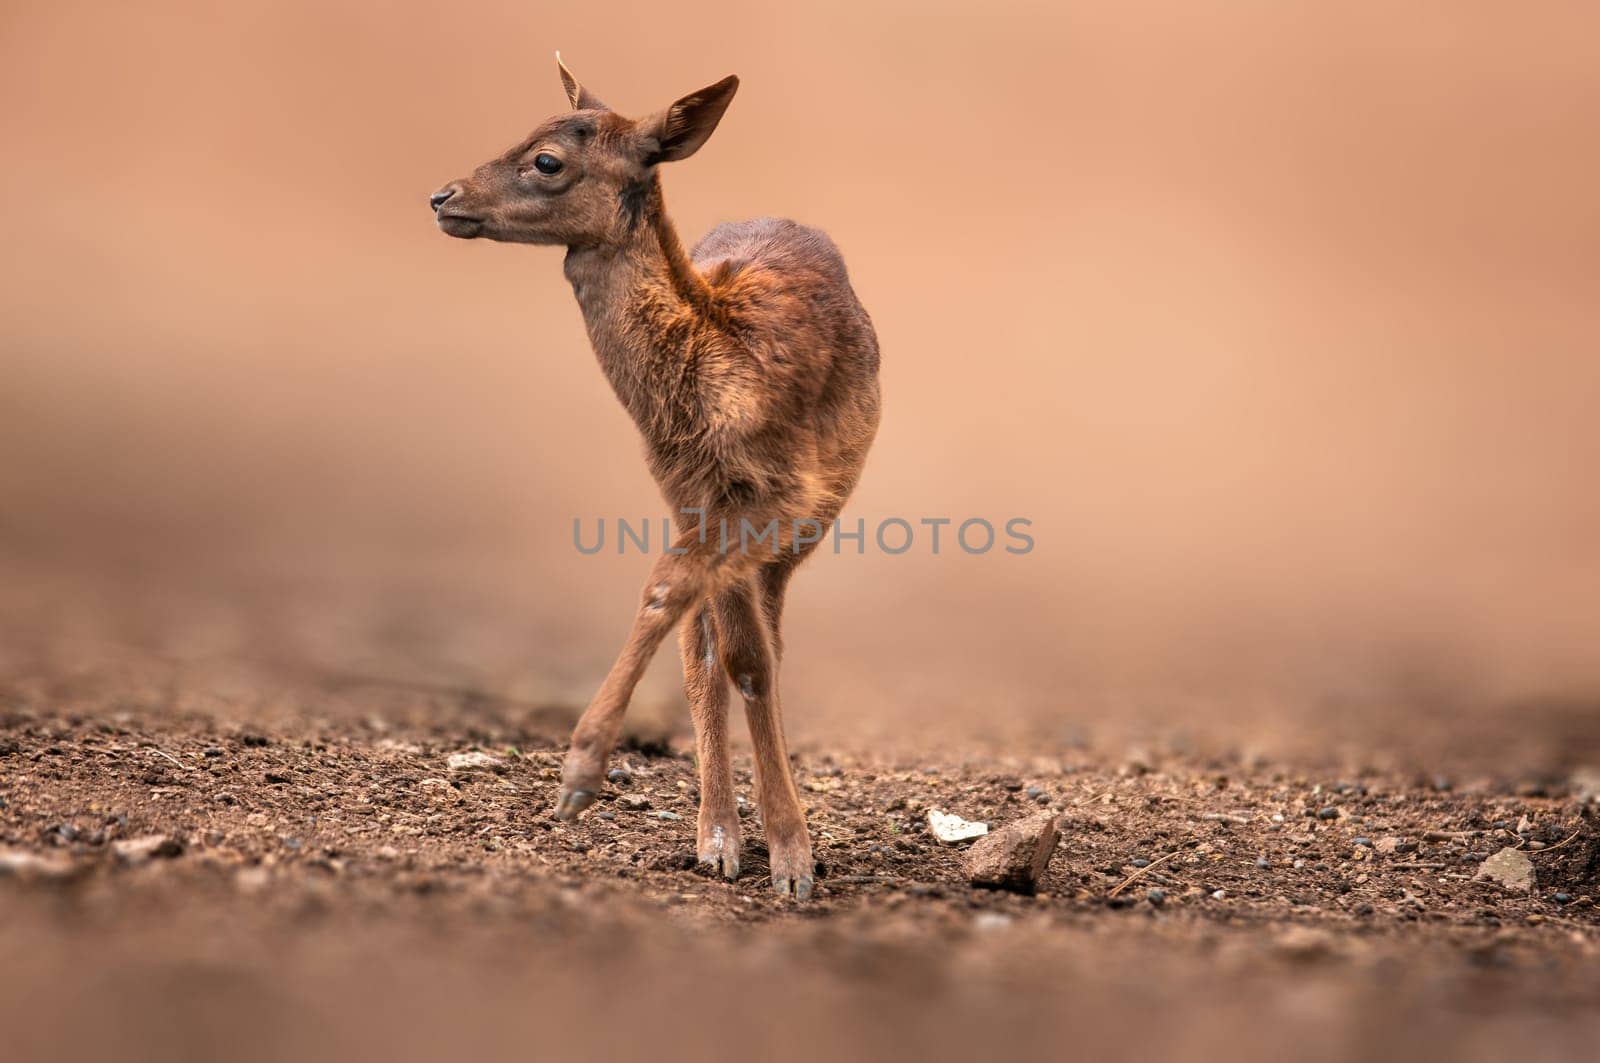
[1563, 898]
[1263, 862]
[1139, 861]
[664, 814]
[1328, 813]
[1156, 897]
[619, 776]
[606, 815]
[1218, 895]
[1365, 842]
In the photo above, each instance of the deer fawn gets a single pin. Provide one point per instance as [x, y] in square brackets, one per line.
[751, 370]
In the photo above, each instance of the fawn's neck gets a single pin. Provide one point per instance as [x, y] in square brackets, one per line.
[637, 295]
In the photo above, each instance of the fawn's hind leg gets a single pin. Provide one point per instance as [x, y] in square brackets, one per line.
[746, 647]
[677, 581]
[706, 687]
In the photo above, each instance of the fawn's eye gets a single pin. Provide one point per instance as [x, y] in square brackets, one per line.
[546, 164]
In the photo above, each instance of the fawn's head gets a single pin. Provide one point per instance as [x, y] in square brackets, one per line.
[581, 178]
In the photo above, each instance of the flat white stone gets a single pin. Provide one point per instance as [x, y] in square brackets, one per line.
[950, 830]
[472, 761]
[1510, 868]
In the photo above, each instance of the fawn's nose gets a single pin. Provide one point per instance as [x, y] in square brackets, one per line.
[441, 197]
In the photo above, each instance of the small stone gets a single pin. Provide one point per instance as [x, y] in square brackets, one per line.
[148, 847]
[1263, 863]
[1218, 895]
[25, 865]
[1365, 843]
[1563, 898]
[59, 834]
[635, 802]
[476, 760]
[619, 776]
[1156, 897]
[1139, 861]
[435, 783]
[1303, 944]
[1034, 793]
[952, 830]
[1509, 868]
[664, 814]
[1015, 856]
[1328, 813]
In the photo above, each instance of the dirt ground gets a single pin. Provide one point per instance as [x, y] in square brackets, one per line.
[264, 868]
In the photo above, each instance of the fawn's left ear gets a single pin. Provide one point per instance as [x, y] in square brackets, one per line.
[580, 98]
[679, 131]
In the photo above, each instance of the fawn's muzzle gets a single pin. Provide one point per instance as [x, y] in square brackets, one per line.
[441, 197]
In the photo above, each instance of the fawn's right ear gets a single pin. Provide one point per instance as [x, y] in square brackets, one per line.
[581, 98]
[680, 130]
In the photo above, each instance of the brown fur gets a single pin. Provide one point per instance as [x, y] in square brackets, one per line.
[750, 369]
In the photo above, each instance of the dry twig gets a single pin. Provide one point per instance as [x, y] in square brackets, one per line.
[1146, 869]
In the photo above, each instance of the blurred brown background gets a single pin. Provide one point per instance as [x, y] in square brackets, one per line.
[1278, 320]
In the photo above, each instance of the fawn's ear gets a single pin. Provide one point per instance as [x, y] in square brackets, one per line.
[679, 131]
[581, 98]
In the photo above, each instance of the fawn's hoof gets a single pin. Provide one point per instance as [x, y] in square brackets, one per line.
[571, 802]
[726, 864]
[792, 870]
[719, 850]
[798, 888]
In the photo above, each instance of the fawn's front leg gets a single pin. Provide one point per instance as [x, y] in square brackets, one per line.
[676, 581]
[747, 654]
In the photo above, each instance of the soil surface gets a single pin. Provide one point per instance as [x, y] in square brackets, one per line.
[201, 870]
